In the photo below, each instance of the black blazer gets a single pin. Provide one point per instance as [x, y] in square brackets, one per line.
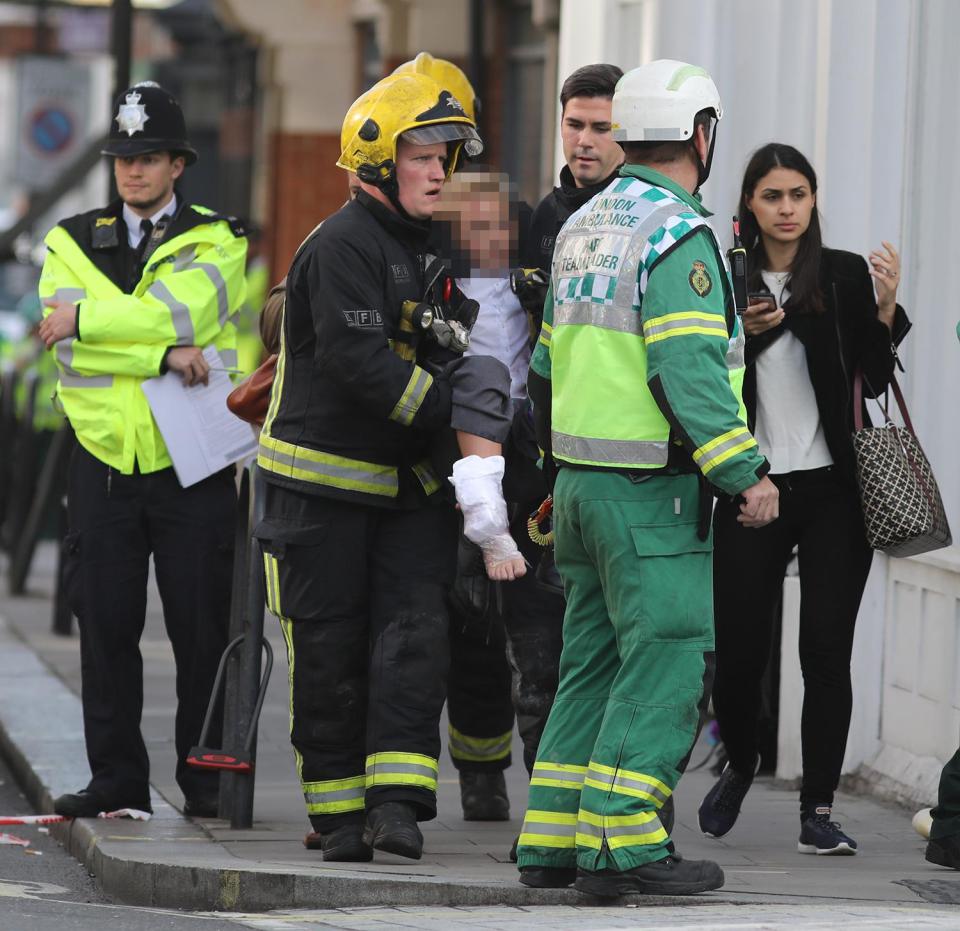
[846, 335]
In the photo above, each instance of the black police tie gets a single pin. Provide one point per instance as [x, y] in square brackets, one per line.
[146, 228]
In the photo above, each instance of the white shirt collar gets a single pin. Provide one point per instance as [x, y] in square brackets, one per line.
[134, 234]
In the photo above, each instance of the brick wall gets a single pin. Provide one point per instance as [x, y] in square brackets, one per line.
[306, 186]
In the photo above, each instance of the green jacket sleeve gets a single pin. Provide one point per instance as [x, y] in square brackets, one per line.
[540, 361]
[687, 341]
[186, 306]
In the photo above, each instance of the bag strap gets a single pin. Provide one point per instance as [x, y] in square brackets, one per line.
[858, 381]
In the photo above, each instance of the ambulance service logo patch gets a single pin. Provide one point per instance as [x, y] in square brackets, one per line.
[132, 115]
[700, 280]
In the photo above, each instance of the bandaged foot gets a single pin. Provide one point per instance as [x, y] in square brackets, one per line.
[476, 481]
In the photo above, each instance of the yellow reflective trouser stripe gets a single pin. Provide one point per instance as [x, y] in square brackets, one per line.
[479, 749]
[271, 583]
[546, 333]
[723, 448]
[407, 769]
[626, 782]
[287, 627]
[619, 830]
[684, 323]
[558, 775]
[549, 829]
[412, 397]
[332, 796]
[313, 465]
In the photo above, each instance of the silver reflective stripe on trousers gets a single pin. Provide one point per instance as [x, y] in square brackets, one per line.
[595, 449]
[653, 826]
[179, 313]
[69, 376]
[540, 771]
[615, 782]
[339, 795]
[401, 769]
[548, 828]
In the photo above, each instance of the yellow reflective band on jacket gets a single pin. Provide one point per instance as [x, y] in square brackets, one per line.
[412, 397]
[557, 829]
[619, 830]
[479, 749]
[546, 331]
[558, 775]
[722, 448]
[404, 769]
[335, 796]
[186, 295]
[684, 323]
[626, 782]
[427, 476]
[313, 465]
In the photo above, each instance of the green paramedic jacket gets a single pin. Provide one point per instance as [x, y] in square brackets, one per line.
[639, 345]
[187, 295]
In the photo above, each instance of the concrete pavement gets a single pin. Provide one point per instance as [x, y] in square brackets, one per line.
[172, 861]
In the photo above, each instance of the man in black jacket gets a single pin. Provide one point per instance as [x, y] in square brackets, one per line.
[358, 548]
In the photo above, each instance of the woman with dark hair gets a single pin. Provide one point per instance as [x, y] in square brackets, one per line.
[815, 324]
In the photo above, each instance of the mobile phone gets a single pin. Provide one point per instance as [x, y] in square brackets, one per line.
[763, 297]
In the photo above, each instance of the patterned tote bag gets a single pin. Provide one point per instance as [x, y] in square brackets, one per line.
[902, 509]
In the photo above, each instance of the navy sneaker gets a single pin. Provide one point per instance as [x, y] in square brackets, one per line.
[720, 807]
[820, 835]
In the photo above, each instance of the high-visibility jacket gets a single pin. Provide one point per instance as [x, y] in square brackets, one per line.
[640, 341]
[190, 288]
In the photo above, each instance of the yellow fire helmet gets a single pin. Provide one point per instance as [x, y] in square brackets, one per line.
[447, 75]
[410, 105]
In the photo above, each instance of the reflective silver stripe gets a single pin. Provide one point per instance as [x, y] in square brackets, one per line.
[717, 323]
[593, 449]
[340, 795]
[626, 782]
[549, 828]
[463, 749]
[653, 221]
[637, 830]
[559, 775]
[184, 259]
[217, 280]
[69, 376]
[228, 357]
[179, 312]
[599, 315]
[386, 479]
[585, 827]
[71, 295]
[704, 459]
[406, 769]
[735, 355]
[412, 397]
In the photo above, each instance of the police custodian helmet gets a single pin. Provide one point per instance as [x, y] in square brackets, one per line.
[147, 118]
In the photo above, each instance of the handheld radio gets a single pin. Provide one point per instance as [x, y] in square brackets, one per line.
[738, 269]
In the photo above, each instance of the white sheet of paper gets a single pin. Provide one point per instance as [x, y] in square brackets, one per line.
[201, 433]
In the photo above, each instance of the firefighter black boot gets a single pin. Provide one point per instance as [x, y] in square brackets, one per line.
[484, 796]
[392, 827]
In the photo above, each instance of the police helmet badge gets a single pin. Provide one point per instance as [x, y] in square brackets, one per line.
[132, 115]
[700, 280]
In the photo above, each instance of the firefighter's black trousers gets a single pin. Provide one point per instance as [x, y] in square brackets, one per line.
[115, 522]
[359, 591]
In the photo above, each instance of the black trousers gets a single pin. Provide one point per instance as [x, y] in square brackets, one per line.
[820, 515]
[115, 523]
[505, 661]
[359, 591]
[946, 816]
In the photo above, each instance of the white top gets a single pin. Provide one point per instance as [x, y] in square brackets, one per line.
[501, 329]
[788, 428]
[134, 233]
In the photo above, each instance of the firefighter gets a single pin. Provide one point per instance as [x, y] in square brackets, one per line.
[636, 386]
[358, 544]
[131, 291]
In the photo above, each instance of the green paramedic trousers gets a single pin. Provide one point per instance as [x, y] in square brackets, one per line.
[637, 635]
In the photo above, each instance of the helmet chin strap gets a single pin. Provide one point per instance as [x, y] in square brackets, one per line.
[703, 168]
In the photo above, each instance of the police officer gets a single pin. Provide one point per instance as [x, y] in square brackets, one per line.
[134, 290]
[636, 386]
[358, 545]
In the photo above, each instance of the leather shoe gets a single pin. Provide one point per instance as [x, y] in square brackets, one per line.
[483, 796]
[392, 827]
[944, 851]
[343, 844]
[205, 805]
[547, 877]
[670, 876]
[88, 804]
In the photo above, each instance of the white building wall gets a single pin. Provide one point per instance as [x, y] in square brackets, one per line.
[867, 89]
